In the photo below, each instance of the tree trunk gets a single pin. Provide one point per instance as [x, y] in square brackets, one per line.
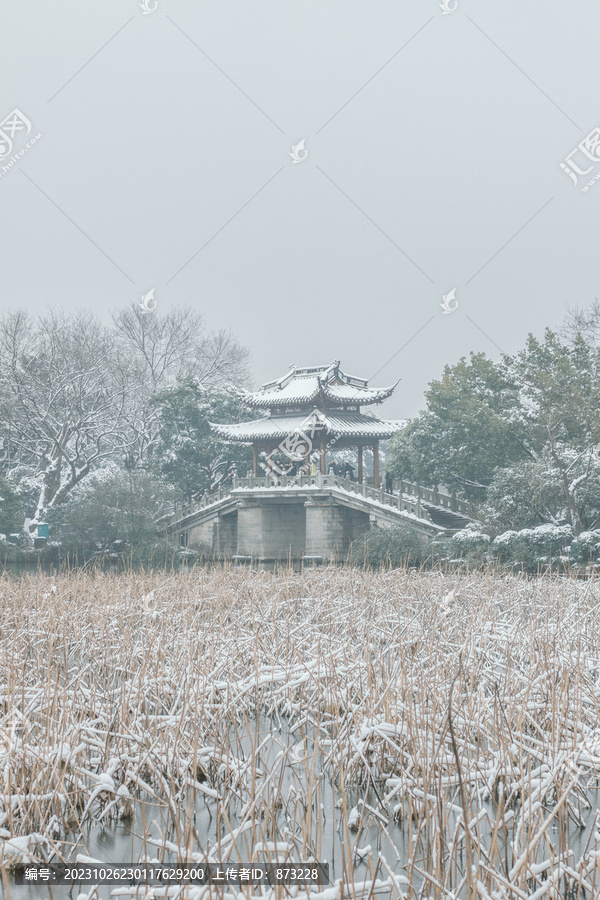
[575, 520]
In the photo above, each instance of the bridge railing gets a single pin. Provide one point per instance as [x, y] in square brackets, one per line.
[396, 501]
[182, 510]
[429, 495]
[435, 497]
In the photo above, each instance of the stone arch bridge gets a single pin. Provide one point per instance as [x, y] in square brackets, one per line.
[309, 518]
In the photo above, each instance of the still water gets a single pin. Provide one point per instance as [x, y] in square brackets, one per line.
[297, 802]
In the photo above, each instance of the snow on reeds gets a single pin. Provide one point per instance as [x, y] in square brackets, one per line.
[462, 709]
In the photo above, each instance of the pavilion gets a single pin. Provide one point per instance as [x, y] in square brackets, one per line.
[308, 411]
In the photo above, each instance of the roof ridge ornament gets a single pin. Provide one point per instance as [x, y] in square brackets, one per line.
[301, 386]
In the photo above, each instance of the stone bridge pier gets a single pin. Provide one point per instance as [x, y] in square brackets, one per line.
[277, 529]
[271, 529]
[331, 528]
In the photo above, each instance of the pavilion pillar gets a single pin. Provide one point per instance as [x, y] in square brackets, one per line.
[255, 459]
[376, 464]
[322, 454]
[360, 464]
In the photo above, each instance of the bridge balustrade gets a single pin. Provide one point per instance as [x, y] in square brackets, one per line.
[397, 501]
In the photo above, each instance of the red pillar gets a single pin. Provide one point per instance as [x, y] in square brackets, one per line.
[255, 459]
[376, 464]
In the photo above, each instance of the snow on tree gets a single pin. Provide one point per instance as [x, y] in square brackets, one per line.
[537, 410]
[562, 383]
[467, 430]
[470, 539]
[586, 546]
[166, 348]
[75, 393]
[530, 545]
[188, 453]
[64, 396]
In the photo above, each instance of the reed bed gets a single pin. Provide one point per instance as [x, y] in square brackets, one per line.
[427, 734]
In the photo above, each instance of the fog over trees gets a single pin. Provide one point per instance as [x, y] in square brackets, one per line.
[519, 436]
[105, 426]
[77, 395]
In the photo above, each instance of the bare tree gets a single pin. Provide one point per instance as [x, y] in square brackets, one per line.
[584, 322]
[64, 398]
[162, 348]
[74, 392]
[179, 344]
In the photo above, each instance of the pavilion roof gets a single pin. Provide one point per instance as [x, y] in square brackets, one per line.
[332, 423]
[305, 387]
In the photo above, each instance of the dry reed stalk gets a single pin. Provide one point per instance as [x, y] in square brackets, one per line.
[144, 689]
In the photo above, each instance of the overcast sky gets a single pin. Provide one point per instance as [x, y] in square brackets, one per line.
[434, 142]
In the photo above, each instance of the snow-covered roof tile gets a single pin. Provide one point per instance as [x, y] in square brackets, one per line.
[333, 424]
[302, 386]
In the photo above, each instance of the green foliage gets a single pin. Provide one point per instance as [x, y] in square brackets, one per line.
[523, 496]
[560, 397]
[586, 547]
[469, 543]
[560, 413]
[466, 432]
[532, 547]
[532, 493]
[526, 428]
[394, 547]
[112, 505]
[12, 514]
[188, 455]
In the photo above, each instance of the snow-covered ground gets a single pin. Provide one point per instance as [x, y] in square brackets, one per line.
[334, 715]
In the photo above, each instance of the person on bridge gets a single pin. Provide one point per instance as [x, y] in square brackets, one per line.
[389, 483]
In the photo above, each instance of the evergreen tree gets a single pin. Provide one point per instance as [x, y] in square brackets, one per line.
[188, 455]
[467, 430]
[12, 514]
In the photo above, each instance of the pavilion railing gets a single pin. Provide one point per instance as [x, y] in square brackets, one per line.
[403, 500]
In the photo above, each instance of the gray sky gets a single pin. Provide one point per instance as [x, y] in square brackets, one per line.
[434, 147]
